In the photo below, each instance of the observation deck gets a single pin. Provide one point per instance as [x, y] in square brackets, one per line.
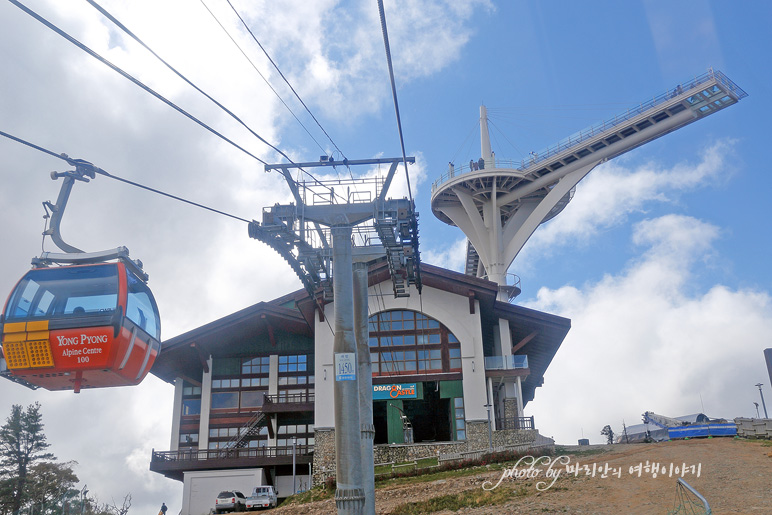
[498, 203]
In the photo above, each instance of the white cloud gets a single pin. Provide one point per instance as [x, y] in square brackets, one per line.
[647, 338]
[451, 256]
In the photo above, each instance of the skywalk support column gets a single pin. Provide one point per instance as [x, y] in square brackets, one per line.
[349, 495]
[365, 371]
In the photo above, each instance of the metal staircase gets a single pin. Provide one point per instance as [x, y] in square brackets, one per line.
[250, 430]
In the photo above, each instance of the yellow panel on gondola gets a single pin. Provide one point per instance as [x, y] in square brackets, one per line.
[39, 352]
[15, 327]
[16, 354]
[37, 325]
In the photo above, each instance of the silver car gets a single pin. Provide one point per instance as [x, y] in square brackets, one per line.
[230, 500]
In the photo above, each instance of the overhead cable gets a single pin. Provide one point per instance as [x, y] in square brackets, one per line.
[180, 75]
[394, 93]
[75, 162]
[259, 73]
[145, 87]
[285, 79]
[128, 76]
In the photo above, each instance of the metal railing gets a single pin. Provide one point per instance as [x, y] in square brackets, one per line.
[229, 453]
[292, 398]
[585, 134]
[506, 362]
[515, 423]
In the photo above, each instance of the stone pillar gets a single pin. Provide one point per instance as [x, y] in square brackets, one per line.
[324, 455]
[476, 435]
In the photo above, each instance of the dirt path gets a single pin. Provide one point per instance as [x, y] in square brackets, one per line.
[735, 476]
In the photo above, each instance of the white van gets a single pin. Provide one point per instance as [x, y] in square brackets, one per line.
[262, 497]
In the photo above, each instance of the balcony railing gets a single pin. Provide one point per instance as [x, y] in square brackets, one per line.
[515, 423]
[293, 398]
[506, 362]
[228, 453]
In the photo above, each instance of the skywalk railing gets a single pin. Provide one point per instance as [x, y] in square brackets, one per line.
[585, 134]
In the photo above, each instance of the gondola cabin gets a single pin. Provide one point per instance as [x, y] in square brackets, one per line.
[85, 326]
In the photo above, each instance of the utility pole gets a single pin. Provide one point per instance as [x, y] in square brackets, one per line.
[364, 369]
[349, 495]
[759, 385]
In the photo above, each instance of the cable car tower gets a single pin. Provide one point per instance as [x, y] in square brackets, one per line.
[328, 235]
[499, 203]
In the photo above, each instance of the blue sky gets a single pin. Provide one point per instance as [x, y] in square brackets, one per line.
[661, 260]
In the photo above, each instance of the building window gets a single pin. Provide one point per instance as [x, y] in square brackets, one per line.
[189, 438]
[256, 366]
[293, 363]
[458, 415]
[225, 400]
[191, 400]
[191, 407]
[409, 342]
[303, 433]
[252, 398]
[296, 381]
[188, 391]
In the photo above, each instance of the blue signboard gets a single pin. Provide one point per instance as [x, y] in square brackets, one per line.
[394, 391]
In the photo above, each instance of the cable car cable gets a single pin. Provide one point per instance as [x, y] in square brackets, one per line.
[128, 76]
[394, 93]
[100, 171]
[260, 73]
[145, 87]
[180, 75]
[285, 79]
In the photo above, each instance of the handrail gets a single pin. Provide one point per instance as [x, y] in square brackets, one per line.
[593, 130]
[697, 494]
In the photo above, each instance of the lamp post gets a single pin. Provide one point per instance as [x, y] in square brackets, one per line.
[83, 493]
[294, 450]
[762, 400]
[490, 426]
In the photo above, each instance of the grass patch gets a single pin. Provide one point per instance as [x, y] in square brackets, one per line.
[468, 499]
[560, 451]
[763, 441]
[422, 463]
[318, 493]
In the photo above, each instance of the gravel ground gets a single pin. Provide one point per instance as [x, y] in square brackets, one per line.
[735, 476]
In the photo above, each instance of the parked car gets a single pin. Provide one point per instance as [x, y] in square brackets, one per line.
[230, 500]
[262, 497]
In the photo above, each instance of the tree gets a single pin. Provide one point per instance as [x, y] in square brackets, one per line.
[22, 444]
[608, 433]
[48, 484]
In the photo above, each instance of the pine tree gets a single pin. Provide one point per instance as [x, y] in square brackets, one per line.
[22, 444]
